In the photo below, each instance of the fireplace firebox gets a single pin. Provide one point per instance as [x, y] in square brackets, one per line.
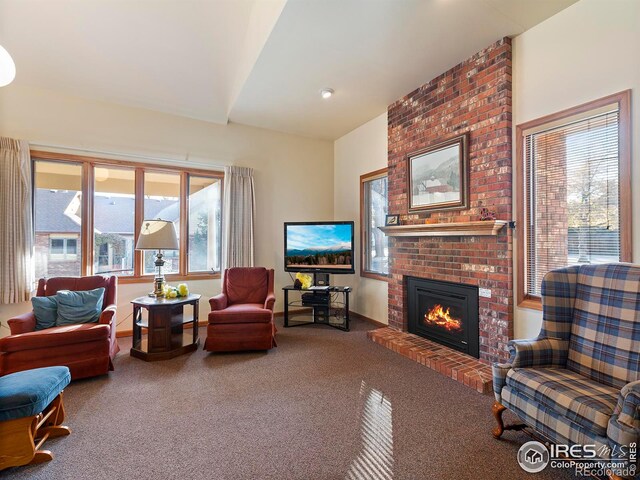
[444, 312]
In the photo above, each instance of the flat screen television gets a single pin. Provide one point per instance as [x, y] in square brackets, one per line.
[319, 247]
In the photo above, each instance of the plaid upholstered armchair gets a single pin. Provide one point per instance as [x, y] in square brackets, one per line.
[578, 382]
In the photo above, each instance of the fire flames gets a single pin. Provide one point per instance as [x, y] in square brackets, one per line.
[440, 317]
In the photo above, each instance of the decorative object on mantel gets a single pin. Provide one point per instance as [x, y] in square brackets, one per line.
[409, 218]
[489, 227]
[486, 214]
[438, 176]
[392, 220]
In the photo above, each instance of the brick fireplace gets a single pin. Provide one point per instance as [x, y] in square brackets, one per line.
[474, 97]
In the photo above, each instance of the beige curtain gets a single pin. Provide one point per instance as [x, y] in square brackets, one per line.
[239, 207]
[16, 231]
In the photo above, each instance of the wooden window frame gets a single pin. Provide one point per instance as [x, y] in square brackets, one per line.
[187, 191]
[88, 165]
[364, 241]
[181, 264]
[623, 99]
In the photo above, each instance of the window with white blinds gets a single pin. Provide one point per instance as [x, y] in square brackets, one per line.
[573, 186]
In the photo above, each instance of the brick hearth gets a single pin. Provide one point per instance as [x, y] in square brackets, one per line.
[475, 98]
[455, 365]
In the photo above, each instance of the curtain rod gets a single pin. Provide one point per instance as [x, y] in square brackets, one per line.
[170, 161]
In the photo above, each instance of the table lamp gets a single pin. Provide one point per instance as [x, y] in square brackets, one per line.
[157, 235]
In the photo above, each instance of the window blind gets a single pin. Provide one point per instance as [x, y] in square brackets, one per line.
[572, 198]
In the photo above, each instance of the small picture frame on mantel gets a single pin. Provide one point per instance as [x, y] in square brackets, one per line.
[392, 220]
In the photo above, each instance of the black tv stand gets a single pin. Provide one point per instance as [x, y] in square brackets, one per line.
[324, 304]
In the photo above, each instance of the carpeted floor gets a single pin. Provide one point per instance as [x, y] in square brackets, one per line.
[325, 404]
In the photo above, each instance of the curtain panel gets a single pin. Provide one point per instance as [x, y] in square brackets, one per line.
[16, 234]
[238, 219]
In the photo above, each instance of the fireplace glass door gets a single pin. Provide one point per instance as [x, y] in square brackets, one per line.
[444, 312]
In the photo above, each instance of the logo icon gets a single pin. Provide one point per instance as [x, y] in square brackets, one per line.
[533, 457]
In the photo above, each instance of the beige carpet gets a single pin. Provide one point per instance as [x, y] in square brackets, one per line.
[325, 404]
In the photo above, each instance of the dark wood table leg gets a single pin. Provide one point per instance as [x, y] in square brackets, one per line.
[137, 329]
[195, 321]
[346, 308]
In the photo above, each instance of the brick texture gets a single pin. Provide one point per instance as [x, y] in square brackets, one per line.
[452, 364]
[47, 267]
[474, 97]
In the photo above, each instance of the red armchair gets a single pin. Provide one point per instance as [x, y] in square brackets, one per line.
[241, 317]
[88, 349]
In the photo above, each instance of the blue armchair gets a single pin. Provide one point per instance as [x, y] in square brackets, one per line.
[578, 382]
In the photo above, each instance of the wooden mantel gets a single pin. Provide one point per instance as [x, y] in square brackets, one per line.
[489, 227]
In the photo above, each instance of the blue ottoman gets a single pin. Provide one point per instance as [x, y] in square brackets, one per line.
[31, 410]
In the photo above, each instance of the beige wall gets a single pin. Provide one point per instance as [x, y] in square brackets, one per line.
[361, 151]
[583, 53]
[291, 172]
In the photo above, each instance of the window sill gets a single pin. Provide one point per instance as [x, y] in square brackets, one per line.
[533, 303]
[375, 276]
[170, 278]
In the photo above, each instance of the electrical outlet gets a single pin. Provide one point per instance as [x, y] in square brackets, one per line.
[485, 292]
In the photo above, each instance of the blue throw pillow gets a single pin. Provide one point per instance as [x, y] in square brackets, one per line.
[79, 307]
[46, 311]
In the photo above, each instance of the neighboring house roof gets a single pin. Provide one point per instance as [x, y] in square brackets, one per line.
[112, 214]
[49, 211]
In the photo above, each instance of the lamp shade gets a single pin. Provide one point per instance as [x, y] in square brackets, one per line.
[157, 235]
[7, 68]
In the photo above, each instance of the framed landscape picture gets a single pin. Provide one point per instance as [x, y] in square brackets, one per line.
[438, 176]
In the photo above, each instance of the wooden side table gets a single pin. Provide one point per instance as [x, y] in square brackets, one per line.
[165, 322]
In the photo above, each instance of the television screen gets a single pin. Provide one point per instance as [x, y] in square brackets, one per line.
[319, 247]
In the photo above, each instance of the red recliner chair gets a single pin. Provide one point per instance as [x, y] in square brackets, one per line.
[241, 316]
[88, 349]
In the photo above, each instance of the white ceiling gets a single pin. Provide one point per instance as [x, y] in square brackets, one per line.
[255, 62]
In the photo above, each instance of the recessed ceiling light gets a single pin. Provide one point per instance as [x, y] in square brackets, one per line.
[326, 92]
